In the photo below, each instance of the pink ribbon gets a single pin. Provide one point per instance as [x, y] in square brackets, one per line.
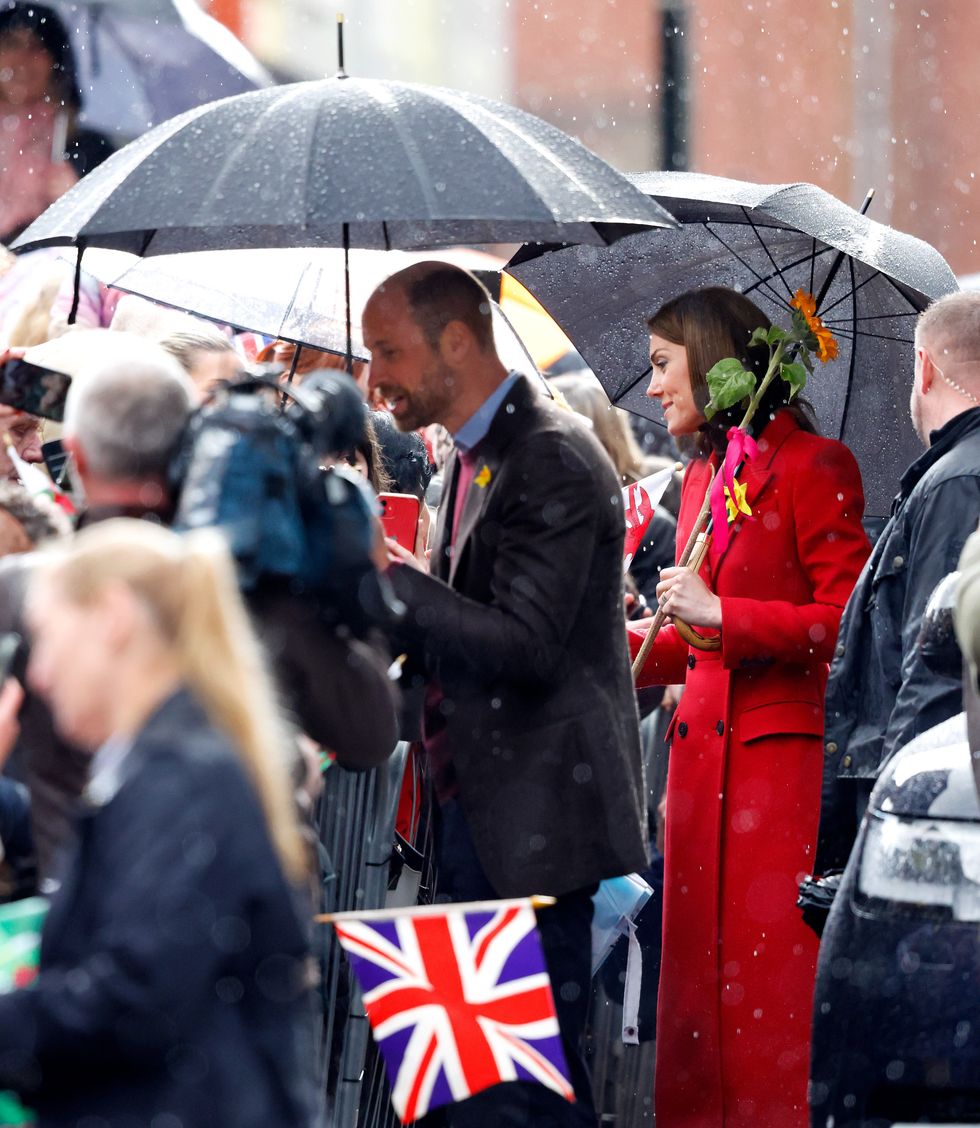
[741, 447]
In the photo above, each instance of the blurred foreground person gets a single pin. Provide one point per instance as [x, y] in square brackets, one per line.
[43, 148]
[173, 960]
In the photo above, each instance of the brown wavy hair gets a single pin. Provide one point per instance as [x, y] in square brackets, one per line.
[712, 324]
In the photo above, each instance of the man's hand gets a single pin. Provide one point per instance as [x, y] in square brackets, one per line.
[636, 607]
[683, 594]
[10, 354]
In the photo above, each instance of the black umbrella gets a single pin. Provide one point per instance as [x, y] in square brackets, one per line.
[347, 161]
[766, 241]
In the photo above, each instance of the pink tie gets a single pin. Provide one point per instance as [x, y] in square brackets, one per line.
[464, 476]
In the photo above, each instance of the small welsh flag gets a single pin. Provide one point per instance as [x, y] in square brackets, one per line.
[35, 481]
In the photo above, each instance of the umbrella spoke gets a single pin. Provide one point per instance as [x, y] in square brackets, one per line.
[623, 391]
[782, 272]
[850, 366]
[850, 293]
[870, 317]
[768, 252]
[761, 280]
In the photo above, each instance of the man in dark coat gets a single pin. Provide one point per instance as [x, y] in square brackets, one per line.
[881, 694]
[530, 722]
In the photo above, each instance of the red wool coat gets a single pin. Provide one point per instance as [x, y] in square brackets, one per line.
[743, 788]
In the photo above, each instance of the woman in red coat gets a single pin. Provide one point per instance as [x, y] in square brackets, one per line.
[743, 788]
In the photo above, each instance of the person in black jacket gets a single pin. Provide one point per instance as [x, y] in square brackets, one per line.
[172, 986]
[530, 723]
[880, 693]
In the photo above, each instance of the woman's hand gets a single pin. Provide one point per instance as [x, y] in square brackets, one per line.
[683, 594]
[399, 555]
[11, 699]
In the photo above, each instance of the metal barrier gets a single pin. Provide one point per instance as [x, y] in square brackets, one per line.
[356, 824]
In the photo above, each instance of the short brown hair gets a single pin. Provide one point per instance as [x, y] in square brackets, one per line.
[446, 293]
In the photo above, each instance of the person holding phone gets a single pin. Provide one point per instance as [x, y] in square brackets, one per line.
[746, 754]
[23, 428]
[172, 984]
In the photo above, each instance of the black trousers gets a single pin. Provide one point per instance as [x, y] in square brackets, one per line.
[566, 938]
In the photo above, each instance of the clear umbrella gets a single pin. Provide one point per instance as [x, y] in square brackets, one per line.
[292, 294]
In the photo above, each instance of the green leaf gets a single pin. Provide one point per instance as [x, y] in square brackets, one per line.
[776, 334]
[759, 336]
[728, 382]
[794, 375]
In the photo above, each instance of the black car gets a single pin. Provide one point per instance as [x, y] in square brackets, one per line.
[897, 1005]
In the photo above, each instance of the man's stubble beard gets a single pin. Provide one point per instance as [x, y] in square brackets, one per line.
[429, 402]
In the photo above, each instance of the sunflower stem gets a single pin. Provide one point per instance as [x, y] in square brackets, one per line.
[776, 354]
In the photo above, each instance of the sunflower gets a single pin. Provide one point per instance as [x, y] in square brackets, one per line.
[826, 345]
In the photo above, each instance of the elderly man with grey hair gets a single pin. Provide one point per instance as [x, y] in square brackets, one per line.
[123, 421]
[880, 693]
[123, 418]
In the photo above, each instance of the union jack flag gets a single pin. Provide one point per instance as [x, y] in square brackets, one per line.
[459, 999]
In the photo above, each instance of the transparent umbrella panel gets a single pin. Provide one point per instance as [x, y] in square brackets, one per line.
[294, 294]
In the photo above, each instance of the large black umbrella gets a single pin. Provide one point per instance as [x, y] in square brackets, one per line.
[766, 241]
[347, 161]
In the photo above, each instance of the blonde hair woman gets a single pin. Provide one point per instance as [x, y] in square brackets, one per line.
[173, 959]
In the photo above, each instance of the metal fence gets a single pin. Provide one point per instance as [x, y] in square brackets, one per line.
[356, 823]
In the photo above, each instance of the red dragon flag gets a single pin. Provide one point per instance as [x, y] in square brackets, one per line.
[640, 501]
[458, 998]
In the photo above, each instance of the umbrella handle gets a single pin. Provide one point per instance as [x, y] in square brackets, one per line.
[692, 557]
[688, 633]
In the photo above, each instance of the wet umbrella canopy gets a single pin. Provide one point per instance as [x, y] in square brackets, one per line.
[765, 241]
[378, 164]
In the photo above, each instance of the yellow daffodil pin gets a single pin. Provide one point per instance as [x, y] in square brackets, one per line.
[738, 504]
[483, 478]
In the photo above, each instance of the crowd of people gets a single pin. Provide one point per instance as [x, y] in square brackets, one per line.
[166, 719]
[164, 725]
